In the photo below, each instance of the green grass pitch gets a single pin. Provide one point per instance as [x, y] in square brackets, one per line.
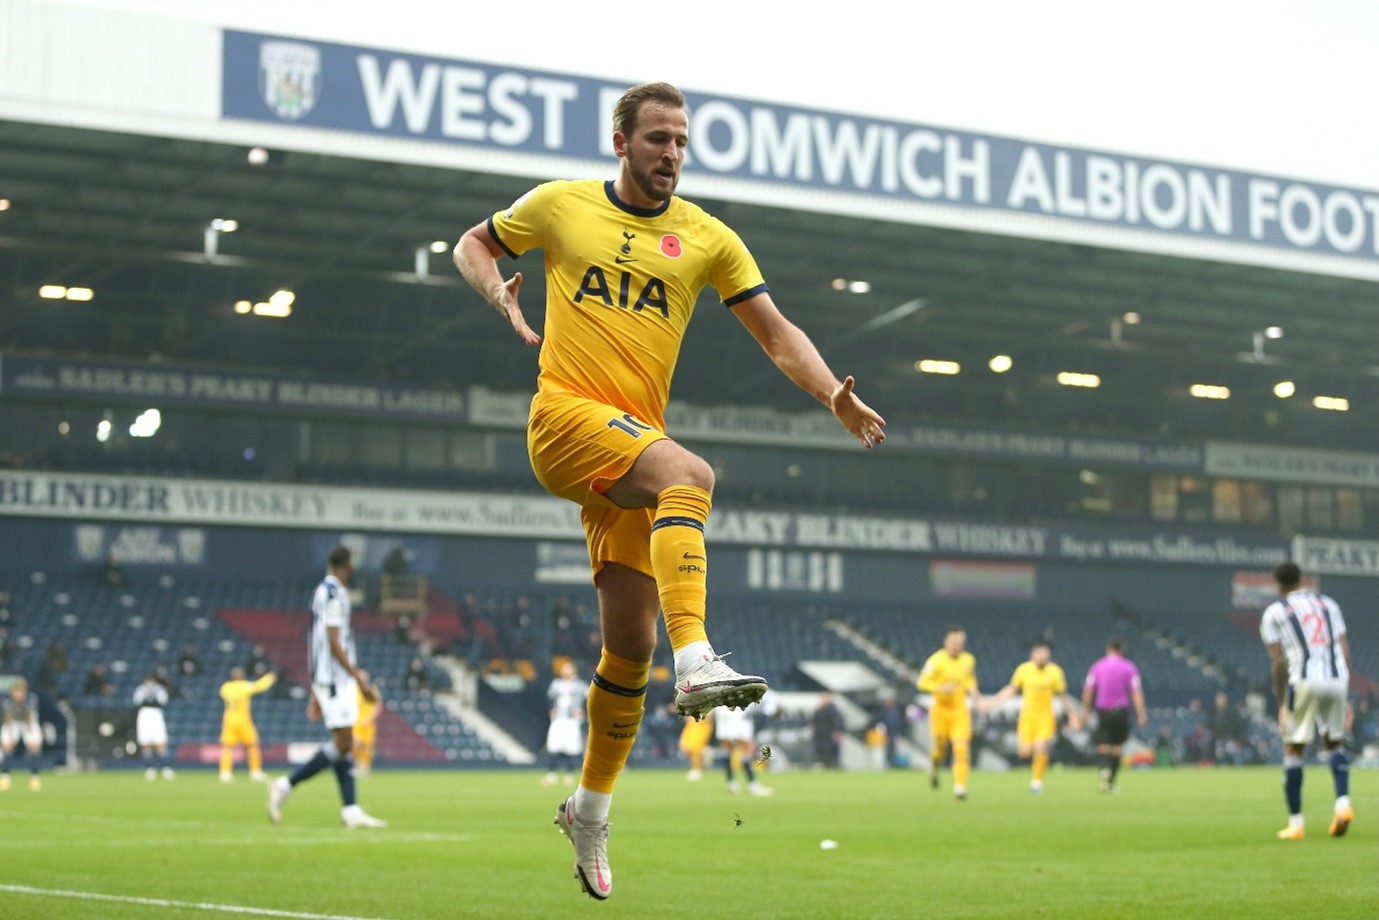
[1175, 844]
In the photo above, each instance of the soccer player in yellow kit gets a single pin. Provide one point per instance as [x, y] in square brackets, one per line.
[950, 674]
[237, 727]
[625, 261]
[1039, 680]
[366, 728]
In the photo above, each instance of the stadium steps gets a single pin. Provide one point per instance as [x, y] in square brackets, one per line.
[460, 703]
[898, 668]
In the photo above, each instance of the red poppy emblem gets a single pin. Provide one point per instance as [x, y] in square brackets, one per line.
[670, 246]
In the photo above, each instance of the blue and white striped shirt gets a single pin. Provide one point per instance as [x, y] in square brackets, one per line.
[1308, 626]
[330, 606]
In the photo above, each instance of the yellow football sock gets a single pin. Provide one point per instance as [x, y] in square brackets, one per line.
[1038, 765]
[680, 563]
[255, 759]
[938, 750]
[617, 696]
[363, 755]
[961, 761]
[227, 759]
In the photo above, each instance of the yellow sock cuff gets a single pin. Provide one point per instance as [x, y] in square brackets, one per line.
[627, 678]
[680, 562]
[683, 502]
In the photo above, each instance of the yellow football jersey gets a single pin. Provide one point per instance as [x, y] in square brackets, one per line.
[236, 694]
[1039, 685]
[942, 668]
[621, 285]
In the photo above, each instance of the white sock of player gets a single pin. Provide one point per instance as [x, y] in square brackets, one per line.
[691, 655]
[1295, 820]
[1342, 802]
[592, 807]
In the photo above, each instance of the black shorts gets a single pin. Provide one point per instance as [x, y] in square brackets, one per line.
[1112, 726]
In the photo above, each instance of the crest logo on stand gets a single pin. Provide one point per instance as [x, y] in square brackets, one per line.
[289, 78]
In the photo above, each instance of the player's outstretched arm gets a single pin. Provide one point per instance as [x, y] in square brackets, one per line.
[996, 699]
[1070, 709]
[793, 352]
[476, 256]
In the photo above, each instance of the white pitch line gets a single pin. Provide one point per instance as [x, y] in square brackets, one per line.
[328, 838]
[161, 902]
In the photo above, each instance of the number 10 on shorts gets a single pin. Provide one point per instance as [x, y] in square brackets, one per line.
[630, 424]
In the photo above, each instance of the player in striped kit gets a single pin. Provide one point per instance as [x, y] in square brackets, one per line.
[565, 737]
[336, 682]
[151, 727]
[1310, 658]
[20, 731]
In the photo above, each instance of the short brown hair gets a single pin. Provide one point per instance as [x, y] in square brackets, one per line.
[630, 105]
[337, 557]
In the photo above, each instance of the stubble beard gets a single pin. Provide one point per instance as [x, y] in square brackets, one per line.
[644, 180]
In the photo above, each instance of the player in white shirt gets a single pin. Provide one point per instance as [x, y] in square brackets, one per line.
[151, 727]
[336, 683]
[20, 731]
[565, 737]
[1310, 658]
[735, 730]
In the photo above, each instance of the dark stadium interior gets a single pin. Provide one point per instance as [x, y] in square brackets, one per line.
[126, 215]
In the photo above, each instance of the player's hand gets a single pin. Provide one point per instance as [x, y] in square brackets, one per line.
[313, 708]
[1142, 719]
[856, 416]
[369, 691]
[513, 312]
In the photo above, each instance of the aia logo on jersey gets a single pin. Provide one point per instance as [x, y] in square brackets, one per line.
[670, 246]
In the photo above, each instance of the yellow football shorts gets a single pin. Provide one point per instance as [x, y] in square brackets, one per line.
[954, 722]
[236, 733]
[1035, 726]
[579, 447]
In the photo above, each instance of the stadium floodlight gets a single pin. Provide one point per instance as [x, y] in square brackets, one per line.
[53, 291]
[1209, 391]
[1331, 403]
[5, 204]
[283, 298]
[243, 307]
[147, 424]
[276, 311]
[1284, 388]
[936, 366]
[103, 430]
[439, 246]
[1274, 332]
[859, 287]
[999, 364]
[1075, 379]
[258, 156]
[82, 294]
[1131, 318]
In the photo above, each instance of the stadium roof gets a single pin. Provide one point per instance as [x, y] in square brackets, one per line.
[126, 216]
